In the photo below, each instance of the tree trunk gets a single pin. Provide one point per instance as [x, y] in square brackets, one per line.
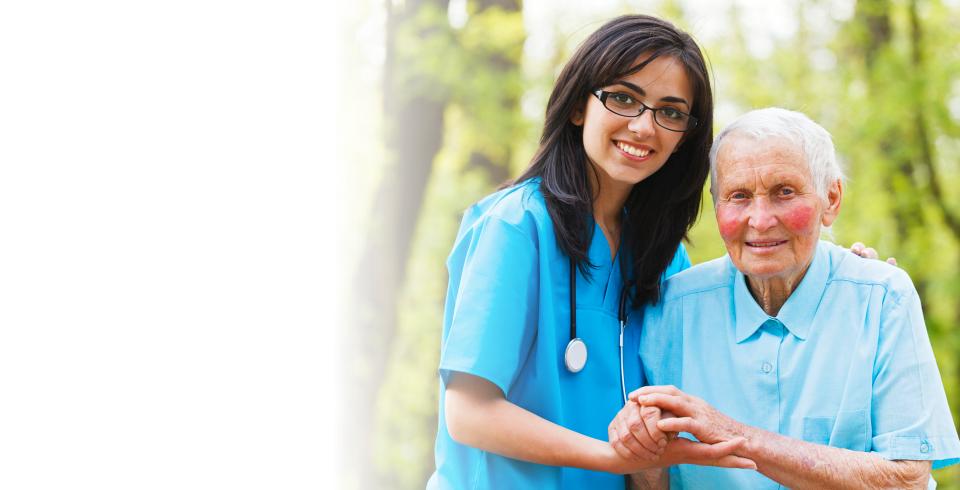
[414, 126]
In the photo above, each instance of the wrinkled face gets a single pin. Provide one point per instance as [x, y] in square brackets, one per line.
[768, 209]
[627, 150]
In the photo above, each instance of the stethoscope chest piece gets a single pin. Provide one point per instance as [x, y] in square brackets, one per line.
[576, 355]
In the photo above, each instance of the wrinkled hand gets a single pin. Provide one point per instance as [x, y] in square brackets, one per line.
[693, 415]
[634, 433]
[869, 253]
[637, 433]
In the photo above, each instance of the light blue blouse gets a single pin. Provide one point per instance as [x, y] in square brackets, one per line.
[846, 362]
[507, 319]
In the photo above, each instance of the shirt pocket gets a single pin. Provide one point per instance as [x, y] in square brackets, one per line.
[848, 430]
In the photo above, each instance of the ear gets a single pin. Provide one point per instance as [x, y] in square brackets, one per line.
[833, 203]
[577, 117]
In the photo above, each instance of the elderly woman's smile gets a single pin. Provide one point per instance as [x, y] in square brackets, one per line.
[770, 212]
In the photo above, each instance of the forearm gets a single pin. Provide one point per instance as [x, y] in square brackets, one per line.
[478, 415]
[503, 428]
[802, 465]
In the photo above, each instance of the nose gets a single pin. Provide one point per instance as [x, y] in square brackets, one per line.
[762, 217]
[643, 125]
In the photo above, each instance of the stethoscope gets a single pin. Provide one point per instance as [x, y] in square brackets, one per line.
[575, 356]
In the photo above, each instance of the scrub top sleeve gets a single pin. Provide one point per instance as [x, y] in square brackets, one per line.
[680, 262]
[911, 417]
[495, 318]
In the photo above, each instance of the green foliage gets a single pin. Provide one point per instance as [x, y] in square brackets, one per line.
[407, 403]
[479, 75]
[477, 70]
[888, 109]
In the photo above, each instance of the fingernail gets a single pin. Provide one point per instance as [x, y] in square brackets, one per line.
[662, 442]
[654, 458]
[660, 451]
[661, 424]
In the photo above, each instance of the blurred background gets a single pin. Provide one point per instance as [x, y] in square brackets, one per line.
[444, 100]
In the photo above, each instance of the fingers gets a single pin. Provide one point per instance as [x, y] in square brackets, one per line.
[675, 403]
[650, 417]
[732, 461]
[679, 424]
[892, 261]
[725, 457]
[667, 414]
[631, 433]
[618, 446]
[667, 390]
[636, 436]
[719, 454]
[703, 431]
[864, 251]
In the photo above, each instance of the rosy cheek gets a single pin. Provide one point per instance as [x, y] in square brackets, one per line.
[730, 221]
[800, 218]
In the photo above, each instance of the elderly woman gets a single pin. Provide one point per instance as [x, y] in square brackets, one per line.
[819, 360]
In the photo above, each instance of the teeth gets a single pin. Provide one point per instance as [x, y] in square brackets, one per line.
[763, 244]
[631, 150]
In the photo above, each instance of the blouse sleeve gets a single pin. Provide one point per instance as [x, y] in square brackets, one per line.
[495, 314]
[911, 417]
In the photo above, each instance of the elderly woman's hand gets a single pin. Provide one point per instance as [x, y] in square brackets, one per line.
[635, 423]
[869, 253]
[693, 415]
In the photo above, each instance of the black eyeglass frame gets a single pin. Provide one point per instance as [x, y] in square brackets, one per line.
[602, 95]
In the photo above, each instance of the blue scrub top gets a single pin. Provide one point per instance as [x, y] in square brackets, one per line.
[507, 320]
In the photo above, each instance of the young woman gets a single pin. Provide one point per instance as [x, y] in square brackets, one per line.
[531, 368]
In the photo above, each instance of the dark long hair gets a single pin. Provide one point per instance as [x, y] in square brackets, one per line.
[660, 209]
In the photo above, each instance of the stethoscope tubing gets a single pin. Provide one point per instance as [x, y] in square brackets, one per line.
[573, 362]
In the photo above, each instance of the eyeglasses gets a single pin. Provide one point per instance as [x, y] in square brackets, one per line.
[625, 105]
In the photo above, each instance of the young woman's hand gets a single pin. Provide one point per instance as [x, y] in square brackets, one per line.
[636, 439]
[869, 253]
[634, 434]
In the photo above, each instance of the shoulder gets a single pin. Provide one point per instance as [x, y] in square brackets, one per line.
[847, 267]
[680, 262]
[699, 279]
[518, 211]
[515, 205]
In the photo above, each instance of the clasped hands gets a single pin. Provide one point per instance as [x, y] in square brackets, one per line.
[646, 429]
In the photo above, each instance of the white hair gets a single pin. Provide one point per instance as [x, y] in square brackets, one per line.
[815, 142]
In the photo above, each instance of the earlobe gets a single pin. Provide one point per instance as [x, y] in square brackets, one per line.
[577, 117]
[680, 143]
[833, 203]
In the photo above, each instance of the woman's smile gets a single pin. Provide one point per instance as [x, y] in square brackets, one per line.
[633, 152]
[617, 144]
